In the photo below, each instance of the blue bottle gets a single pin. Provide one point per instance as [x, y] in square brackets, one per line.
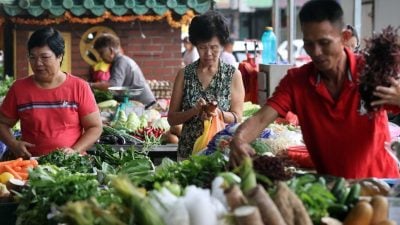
[268, 41]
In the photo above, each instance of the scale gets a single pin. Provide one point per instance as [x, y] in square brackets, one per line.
[124, 93]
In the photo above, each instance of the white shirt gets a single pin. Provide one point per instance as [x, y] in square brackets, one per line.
[228, 58]
[190, 56]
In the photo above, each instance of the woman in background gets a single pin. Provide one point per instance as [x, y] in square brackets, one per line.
[206, 79]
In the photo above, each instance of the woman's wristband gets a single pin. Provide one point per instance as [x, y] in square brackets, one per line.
[234, 117]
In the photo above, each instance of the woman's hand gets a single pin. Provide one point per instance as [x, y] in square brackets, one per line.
[67, 150]
[388, 95]
[199, 106]
[20, 149]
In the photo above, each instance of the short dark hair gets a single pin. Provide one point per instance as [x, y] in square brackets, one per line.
[107, 40]
[208, 25]
[321, 10]
[353, 31]
[47, 36]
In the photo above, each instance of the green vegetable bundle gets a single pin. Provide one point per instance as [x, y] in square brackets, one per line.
[52, 186]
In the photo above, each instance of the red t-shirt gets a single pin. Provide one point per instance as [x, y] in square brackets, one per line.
[341, 142]
[50, 118]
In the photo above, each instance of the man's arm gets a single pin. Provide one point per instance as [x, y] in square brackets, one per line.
[248, 131]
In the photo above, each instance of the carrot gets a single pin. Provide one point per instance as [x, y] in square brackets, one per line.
[34, 162]
[10, 162]
[23, 175]
[12, 171]
[24, 163]
[17, 168]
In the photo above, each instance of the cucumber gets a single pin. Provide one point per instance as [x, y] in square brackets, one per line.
[354, 194]
[107, 104]
[338, 211]
[344, 193]
[338, 188]
[129, 139]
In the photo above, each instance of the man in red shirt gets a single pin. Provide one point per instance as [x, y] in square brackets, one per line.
[324, 95]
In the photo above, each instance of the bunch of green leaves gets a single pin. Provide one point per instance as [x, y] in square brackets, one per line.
[5, 85]
[90, 212]
[101, 96]
[75, 163]
[198, 170]
[111, 161]
[314, 194]
[51, 186]
[114, 156]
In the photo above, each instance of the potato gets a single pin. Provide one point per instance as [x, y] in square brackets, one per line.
[380, 207]
[361, 214]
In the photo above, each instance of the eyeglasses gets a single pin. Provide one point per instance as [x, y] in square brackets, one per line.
[43, 58]
[213, 48]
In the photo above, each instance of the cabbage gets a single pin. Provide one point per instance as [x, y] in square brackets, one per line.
[151, 115]
[143, 121]
[161, 123]
[133, 122]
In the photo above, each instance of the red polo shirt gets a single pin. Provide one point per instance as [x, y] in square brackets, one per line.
[341, 142]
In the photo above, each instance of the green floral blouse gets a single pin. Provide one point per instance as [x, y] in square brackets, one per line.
[219, 89]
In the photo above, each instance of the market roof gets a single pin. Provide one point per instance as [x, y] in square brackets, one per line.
[38, 8]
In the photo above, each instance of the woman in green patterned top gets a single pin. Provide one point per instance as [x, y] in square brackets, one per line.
[207, 79]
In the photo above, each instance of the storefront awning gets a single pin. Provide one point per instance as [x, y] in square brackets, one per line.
[37, 8]
[46, 12]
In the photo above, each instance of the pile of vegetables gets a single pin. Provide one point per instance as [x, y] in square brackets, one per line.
[49, 185]
[18, 167]
[382, 61]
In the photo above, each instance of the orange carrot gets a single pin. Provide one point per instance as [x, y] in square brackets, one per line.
[17, 168]
[10, 162]
[23, 163]
[34, 162]
[23, 175]
[12, 171]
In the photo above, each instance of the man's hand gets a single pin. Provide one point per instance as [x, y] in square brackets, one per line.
[388, 95]
[239, 151]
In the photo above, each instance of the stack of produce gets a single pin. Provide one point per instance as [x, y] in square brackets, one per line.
[13, 175]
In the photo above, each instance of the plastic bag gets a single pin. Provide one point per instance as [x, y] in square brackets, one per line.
[211, 127]
[101, 71]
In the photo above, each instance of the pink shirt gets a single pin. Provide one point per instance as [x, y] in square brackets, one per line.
[341, 142]
[50, 118]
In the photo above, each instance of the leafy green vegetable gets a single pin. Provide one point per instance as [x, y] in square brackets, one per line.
[75, 163]
[102, 96]
[198, 170]
[314, 194]
[5, 85]
[260, 147]
[51, 185]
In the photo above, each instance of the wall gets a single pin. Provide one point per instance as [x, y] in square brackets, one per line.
[386, 13]
[158, 54]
